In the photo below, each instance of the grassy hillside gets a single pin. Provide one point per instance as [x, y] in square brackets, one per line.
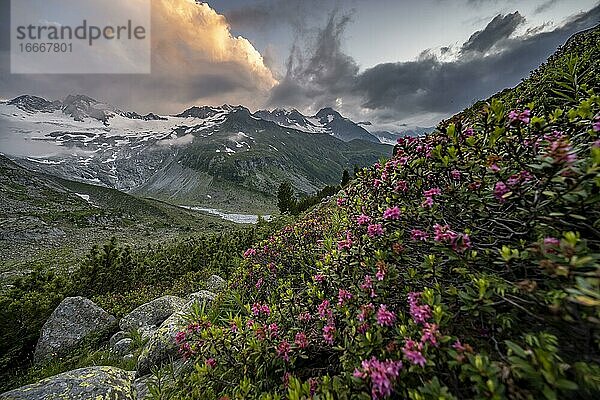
[45, 218]
[468, 266]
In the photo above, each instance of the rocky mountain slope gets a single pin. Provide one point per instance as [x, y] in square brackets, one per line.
[326, 121]
[203, 155]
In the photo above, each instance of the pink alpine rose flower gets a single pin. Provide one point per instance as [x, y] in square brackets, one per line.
[419, 313]
[380, 275]
[561, 151]
[301, 340]
[374, 230]
[412, 352]
[430, 334]
[458, 346]
[417, 234]
[363, 219]
[323, 310]
[273, 330]
[365, 311]
[401, 186]
[211, 362]
[381, 374]
[391, 213]
[519, 116]
[343, 296]
[427, 203]
[432, 192]
[304, 317]
[328, 333]
[461, 243]
[346, 244]
[283, 350]
[385, 317]
[443, 233]
[500, 190]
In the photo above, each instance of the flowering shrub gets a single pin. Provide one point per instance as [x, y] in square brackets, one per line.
[465, 267]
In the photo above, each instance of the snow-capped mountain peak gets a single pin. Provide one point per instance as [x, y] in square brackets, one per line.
[32, 104]
[81, 108]
[326, 121]
[78, 107]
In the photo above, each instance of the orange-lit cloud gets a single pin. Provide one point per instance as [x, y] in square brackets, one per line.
[195, 60]
[188, 35]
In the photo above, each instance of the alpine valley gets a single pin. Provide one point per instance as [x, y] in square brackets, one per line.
[223, 157]
[221, 253]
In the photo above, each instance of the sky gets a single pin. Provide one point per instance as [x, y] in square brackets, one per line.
[391, 62]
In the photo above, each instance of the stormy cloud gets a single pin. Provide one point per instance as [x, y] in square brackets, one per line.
[430, 86]
[501, 27]
[265, 14]
[198, 59]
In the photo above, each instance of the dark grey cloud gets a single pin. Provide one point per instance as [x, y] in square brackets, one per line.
[428, 85]
[545, 6]
[321, 74]
[501, 27]
[431, 85]
[266, 14]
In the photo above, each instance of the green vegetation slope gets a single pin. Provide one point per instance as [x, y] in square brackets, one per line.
[465, 267]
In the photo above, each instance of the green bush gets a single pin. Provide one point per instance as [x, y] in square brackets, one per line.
[118, 278]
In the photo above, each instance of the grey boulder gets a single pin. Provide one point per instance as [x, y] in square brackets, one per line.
[152, 313]
[75, 319]
[93, 383]
[141, 386]
[161, 345]
[122, 347]
[215, 283]
[116, 338]
[147, 331]
[202, 296]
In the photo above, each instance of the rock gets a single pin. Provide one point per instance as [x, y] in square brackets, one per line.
[202, 296]
[122, 347]
[141, 386]
[75, 319]
[215, 284]
[147, 331]
[152, 313]
[81, 384]
[117, 337]
[161, 346]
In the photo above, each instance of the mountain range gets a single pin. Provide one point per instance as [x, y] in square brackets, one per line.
[222, 156]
